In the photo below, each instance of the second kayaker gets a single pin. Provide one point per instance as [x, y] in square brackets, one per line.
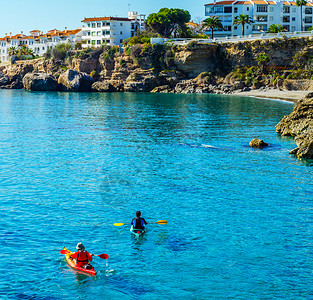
[138, 222]
[82, 257]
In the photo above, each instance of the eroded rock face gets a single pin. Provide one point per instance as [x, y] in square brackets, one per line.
[4, 79]
[257, 143]
[299, 124]
[103, 86]
[40, 82]
[74, 81]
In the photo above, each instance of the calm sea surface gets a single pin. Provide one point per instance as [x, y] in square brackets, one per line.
[240, 221]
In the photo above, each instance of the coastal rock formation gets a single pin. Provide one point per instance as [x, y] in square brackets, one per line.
[40, 82]
[4, 79]
[103, 86]
[74, 81]
[299, 124]
[257, 143]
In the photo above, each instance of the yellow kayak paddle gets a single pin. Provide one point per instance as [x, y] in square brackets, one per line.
[161, 222]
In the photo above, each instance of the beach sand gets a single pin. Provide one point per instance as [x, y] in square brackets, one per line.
[275, 94]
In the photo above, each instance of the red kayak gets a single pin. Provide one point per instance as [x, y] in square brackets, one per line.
[71, 262]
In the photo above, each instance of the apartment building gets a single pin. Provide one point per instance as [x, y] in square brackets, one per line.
[37, 41]
[111, 30]
[263, 13]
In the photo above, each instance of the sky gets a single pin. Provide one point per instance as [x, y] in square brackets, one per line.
[21, 15]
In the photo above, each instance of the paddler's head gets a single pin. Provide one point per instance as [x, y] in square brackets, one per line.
[138, 214]
[80, 246]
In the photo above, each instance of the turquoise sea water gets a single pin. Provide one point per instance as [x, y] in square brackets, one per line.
[240, 220]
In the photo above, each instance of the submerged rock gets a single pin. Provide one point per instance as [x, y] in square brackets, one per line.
[74, 81]
[40, 82]
[257, 143]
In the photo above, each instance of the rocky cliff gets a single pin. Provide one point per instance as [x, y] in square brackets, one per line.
[191, 68]
[299, 124]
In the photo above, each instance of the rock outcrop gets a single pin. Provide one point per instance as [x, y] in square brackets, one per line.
[4, 80]
[40, 82]
[299, 124]
[257, 143]
[74, 81]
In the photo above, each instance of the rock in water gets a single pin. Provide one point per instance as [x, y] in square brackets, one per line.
[74, 81]
[257, 143]
[40, 82]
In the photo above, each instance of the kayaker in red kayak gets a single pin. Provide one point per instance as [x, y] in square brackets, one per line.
[138, 222]
[82, 257]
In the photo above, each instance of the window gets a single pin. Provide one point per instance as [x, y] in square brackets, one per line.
[98, 24]
[103, 23]
[88, 24]
[235, 9]
[121, 24]
[262, 19]
[93, 42]
[286, 27]
[293, 19]
[98, 42]
[227, 9]
[121, 32]
[121, 41]
[286, 19]
[308, 20]
[271, 18]
[108, 41]
[294, 10]
[261, 8]
[293, 28]
[88, 41]
[105, 32]
[93, 33]
[218, 9]
[98, 33]
[107, 23]
[88, 33]
[235, 27]
[227, 28]
[93, 25]
[308, 10]
[247, 8]
[271, 8]
[43, 48]
[286, 9]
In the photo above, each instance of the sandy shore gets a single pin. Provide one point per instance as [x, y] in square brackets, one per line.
[275, 94]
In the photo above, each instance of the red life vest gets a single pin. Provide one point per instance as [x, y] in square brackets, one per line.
[82, 257]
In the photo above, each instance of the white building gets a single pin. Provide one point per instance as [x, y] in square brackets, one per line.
[263, 13]
[111, 30]
[38, 42]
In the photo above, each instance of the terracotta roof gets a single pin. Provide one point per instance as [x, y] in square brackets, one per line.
[35, 31]
[27, 38]
[259, 2]
[243, 2]
[108, 19]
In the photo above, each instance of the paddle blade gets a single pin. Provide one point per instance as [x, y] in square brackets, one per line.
[104, 256]
[119, 224]
[162, 222]
[65, 251]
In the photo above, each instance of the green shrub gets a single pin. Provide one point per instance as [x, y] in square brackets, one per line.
[61, 51]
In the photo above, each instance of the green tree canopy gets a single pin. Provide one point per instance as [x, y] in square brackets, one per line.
[275, 28]
[169, 21]
[212, 23]
[243, 20]
[263, 59]
[301, 3]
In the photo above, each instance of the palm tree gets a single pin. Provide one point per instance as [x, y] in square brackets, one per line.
[301, 3]
[12, 51]
[212, 23]
[274, 28]
[243, 20]
[263, 59]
